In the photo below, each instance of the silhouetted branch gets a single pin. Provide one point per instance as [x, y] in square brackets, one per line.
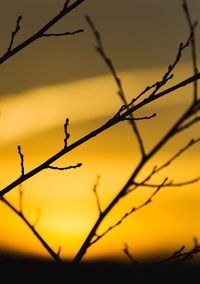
[65, 168]
[112, 69]
[96, 194]
[12, 51]
[110, 123]
[180, 256]
[125, 190]
[66, 4]
[22, 159]
[19, 213]
[167, 76]
[134, 209]
[62, 34]
[59, 251]
[125, 112]
[14, 33]
[157, 169]
[141, 118]
[192, 27]
[67, 135]
[191, 143]
[170, 184]
[129, 255]
[187, 125]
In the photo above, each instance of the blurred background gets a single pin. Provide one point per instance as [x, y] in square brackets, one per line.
[55, 78]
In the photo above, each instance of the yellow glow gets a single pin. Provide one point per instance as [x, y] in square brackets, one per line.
[68, 210]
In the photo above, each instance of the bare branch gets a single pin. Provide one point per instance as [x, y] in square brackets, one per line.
[113, 121]
[141, 118]
[190, 123]
[167, 76]
[96, 194]
[191, 143]
[59, 251]
[62, 34]
[14, 33]
[120, 92]
[169, 184]
[19, 213]
[180, 256]
[22, 159]
[192, 27]
[65, 168]
[66, 10]
[129, 255]
[134, 209]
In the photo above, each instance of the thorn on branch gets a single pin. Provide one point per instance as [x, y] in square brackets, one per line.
[14, 33]
[65, 168]
[22, 160]
[67, 135]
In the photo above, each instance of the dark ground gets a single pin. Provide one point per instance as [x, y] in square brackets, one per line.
[21, 270]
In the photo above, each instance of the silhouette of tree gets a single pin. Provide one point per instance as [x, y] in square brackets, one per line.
[126, 113]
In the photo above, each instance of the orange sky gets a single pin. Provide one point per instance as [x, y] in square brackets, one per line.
[66, 200]
[34, 104]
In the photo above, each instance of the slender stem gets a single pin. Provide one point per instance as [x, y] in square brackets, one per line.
[31, 227]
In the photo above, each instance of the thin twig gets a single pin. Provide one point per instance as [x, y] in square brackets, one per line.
[22, 159]
[180, 256]
[167, 76]
[67, 135]
[65, 168]
[14, 33]
[96, 194]
[121, 93]
[141, 118]
[133, 210]
[19, 213]
[191, 143]
[190, 123]
[169, 184]
[62, 34]
[129, 255]
[59, 251]
[192, 27]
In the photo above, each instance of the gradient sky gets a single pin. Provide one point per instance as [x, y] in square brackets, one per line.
[58, 77]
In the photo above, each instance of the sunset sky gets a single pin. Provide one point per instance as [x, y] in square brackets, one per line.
[55, 78]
